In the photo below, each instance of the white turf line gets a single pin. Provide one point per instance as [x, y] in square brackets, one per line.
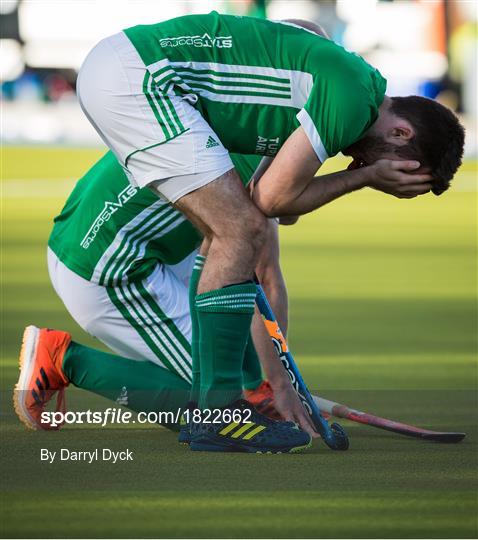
[27, 357]
[20, 188]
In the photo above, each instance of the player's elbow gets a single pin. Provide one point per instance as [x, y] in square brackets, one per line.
[271, 205]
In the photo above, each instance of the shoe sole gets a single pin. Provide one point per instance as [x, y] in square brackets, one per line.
[28, 352]
[211, 447]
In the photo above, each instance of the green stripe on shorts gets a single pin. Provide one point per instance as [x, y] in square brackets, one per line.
[163, 108]
[152, 330]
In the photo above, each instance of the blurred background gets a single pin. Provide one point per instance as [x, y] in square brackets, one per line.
[425, 47]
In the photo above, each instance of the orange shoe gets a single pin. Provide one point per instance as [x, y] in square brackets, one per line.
[263, 400]
[41, 375]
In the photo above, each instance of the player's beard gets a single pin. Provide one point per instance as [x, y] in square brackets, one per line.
[369, 148]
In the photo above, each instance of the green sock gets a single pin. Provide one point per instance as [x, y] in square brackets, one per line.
[138, 385]
[252, 371]
[193, 287]
[225, 317]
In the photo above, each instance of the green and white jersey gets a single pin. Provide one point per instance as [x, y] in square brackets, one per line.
[110, 232]
[255, 81]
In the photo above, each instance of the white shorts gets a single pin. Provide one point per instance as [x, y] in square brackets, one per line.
[157, 136]
[148, 320]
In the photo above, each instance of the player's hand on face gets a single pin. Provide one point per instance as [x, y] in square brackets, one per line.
[289, 406]
[399, 178]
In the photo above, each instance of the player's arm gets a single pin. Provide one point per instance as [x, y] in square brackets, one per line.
[261, 169]
[270, 275]
[289, 187]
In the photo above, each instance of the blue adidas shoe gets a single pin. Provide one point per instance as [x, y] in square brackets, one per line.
[257, 434]
[184, 436]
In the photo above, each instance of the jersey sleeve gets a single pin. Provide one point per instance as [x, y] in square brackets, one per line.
[341, 106]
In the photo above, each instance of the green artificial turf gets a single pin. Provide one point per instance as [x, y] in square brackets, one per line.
[382, 317]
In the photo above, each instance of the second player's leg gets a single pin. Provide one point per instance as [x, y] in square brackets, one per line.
[50, 361]
[147, 320]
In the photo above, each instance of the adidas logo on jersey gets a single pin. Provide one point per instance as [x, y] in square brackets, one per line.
[211, 142]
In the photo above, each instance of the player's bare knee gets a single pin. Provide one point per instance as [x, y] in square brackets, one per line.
[249, 233]
[244, 233]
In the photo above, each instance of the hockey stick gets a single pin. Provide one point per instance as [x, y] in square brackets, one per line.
[342, 411]
[334, 435]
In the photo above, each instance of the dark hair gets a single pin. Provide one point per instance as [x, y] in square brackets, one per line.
[438, 141]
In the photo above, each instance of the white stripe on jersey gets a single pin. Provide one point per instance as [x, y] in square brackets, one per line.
[313, 135]
[112, 248]
[152, 224]
[177, 219]
[283, 87]
[300, 82]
